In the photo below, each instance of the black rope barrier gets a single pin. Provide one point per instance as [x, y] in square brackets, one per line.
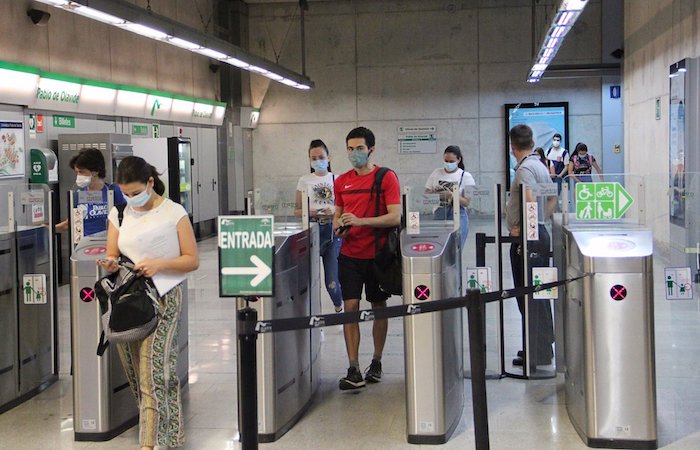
[248, 327]
[327, 320]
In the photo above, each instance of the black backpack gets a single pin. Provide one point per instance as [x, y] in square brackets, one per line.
[387, 260]
[129, 303]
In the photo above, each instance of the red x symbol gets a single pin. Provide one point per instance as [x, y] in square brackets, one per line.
[422, 292]
[87, 294]
[618, 292]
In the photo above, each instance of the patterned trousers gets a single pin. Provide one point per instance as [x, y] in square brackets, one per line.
[151, 367]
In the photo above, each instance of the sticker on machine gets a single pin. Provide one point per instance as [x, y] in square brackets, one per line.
[678, 283]
[479, 278]
[544, 275]
[34, 288]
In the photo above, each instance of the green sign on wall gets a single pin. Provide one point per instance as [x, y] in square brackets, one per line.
[139, 130]
[63, 121]
[601, 201]
[246, 250]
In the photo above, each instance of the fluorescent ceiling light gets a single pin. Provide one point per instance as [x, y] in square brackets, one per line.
[552, 42]
[143, 30]
[573, 5]
[211, 53]
[565, 17]
[236, 62]
[274, 76]
[176, 41]
[97, 15]
[110, 10]
[558, 32]
[259, 70]
[539, 67]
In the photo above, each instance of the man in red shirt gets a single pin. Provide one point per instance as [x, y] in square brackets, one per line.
[356, 222]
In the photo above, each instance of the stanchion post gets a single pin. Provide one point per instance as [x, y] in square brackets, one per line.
[247, 379]
[477, 353]
[480, 249]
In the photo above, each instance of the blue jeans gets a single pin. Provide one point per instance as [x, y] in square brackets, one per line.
[445, 213]
[330, 249]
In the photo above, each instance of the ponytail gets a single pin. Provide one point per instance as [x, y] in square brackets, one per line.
[135, 169]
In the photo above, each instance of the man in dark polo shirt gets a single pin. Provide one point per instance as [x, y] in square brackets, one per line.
[356, 221]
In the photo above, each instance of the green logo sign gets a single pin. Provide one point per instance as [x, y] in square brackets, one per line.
[156, 106]
[63, 121]
[246, 249]
[139, 130]
[601, 201]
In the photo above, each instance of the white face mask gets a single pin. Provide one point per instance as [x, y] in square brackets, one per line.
[556, 144]
[83, 181]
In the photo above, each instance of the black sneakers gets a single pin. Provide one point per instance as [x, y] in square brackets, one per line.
[373, 374]
[353, 380]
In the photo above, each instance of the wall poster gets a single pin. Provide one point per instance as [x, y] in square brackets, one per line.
[12, 154]
[545, 119]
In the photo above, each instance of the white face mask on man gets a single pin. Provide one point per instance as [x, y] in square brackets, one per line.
[556, 143]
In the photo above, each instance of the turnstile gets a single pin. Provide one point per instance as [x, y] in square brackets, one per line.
[9, 373]
[288, 363]
[103, 403]
[432, 342]
[609, 336]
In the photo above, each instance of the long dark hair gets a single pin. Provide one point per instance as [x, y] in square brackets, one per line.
[580, 146]
[455, 150]
[135, 169]
[317, 143]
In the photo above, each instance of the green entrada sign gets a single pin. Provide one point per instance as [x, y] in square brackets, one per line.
[246, 249]
[601, 201]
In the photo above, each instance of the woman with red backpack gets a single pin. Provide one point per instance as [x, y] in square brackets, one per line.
[581, 164]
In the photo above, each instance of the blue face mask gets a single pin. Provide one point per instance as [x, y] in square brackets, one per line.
[137, 201]
[451, 166]
[358, 158]
[320, 165]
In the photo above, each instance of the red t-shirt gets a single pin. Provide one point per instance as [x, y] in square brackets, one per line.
[354, 194]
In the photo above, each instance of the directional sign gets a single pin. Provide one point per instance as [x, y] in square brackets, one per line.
[601, 201]
[246, 250]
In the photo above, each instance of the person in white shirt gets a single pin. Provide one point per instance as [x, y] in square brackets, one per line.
[156, 235]
[441, 182]
[319, 187]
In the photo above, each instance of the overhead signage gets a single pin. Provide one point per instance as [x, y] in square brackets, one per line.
[417, 139]
[139, 130]
[63, 121]
[35, 88]
[246, 252]
[601, 201]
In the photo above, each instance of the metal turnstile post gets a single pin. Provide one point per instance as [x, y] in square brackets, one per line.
[433, 342]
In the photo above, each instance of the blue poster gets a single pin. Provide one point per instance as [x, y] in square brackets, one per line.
[545, 119]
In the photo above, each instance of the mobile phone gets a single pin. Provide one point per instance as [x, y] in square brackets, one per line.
[343, 228]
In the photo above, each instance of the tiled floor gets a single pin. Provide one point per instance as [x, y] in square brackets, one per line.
[522, 414]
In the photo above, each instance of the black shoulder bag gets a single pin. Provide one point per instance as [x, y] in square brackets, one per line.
[387, 259]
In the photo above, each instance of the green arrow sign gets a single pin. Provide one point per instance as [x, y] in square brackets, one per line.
[601, 201]
[246, 249]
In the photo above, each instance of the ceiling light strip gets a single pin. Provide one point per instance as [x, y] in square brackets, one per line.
[129, 17]
[567, 14]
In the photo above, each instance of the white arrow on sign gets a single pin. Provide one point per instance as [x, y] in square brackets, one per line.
[261, 270]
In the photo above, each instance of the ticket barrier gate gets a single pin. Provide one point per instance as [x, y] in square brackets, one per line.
[288, 363]
[433, 342]
[609, 336]
[103, 403]
[28, 360]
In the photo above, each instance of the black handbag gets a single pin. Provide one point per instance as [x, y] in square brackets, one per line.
[387, 259]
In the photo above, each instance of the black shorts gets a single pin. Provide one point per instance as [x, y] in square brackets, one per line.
[353, 274]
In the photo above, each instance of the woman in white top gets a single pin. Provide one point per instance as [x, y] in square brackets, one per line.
[156, 235]
[442, 180]
[319, 186]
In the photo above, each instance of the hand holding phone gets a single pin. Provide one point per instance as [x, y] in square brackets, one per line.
[342, 229]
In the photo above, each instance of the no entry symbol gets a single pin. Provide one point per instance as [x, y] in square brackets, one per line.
[618, 292]
[422, 292]
[87, 294]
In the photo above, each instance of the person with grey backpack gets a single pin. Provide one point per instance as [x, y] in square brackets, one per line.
[156, 235]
